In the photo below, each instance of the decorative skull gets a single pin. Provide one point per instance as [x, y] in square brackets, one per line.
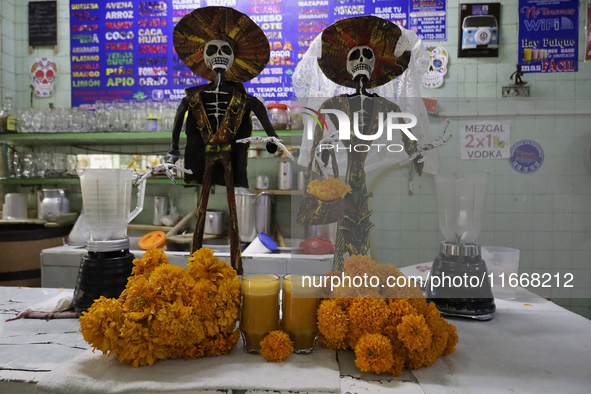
[361, 60]
[218, 54]
[43, 74]
[437, 67]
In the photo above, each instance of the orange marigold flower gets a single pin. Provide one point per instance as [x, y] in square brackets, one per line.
[202, 264]
[276, 346]
[139, 295]
[374, 354]
[153, 258]
[139, 345]
[452, 339]
[100, 324]
[176, 325]
[220, 344]
[333, 324]
[419, 359]
[414, 333]
[328, 189]
[398, 308]
[419, 303]
[359, 265]
[432, 316]
[172, 282]
[397, 365]
[439, 339]
[227, 302]
[368, 315]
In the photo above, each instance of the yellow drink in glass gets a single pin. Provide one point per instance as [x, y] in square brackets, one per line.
[300, 304]
[260, 309]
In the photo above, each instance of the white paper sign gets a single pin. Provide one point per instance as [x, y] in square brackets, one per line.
[485, 140]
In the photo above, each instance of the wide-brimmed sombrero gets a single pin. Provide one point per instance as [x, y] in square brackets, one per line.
[377, 33]
[249, 43]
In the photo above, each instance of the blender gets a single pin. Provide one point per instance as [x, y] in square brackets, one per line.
[106, 198]
[459, 283]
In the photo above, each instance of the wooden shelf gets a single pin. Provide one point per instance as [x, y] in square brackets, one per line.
[141, 138]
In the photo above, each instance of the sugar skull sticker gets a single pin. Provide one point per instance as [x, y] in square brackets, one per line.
[437, 67]
[43, 74]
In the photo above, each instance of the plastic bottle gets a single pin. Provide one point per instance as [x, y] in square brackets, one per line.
[7, 122]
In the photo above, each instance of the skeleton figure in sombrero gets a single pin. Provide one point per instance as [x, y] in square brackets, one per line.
[227, 48]
[359, 53]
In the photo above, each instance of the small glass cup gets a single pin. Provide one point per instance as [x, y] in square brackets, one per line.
[300, 303]
[260, 309]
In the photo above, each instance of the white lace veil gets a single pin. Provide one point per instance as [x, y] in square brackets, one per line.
[312, 87]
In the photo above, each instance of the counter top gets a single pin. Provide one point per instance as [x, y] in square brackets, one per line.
[530, 346]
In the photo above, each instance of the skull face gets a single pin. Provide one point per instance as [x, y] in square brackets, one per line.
[361, 61]
[43, 74]
[218, 54]
[437, 67]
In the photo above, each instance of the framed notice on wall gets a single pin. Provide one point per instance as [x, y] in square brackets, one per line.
[42, 23]
[548, 35]
[479, 30]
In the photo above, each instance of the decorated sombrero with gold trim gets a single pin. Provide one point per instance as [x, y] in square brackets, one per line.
[377, 33]
[249, 43]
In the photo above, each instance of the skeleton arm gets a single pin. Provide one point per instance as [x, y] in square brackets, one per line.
[439, 141]
[139, 179]
[174, 154]
[258, 108]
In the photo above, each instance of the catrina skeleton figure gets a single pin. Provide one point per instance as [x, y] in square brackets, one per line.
[359, 53]
[227, 48]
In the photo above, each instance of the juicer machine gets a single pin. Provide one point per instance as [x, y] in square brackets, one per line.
[459, 283]
[106, 199]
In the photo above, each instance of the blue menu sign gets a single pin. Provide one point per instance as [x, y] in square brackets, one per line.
[548, 35]
[428, 19]
[122, 50]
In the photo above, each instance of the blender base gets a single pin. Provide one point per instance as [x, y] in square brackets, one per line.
[101, 274]
[453, 294]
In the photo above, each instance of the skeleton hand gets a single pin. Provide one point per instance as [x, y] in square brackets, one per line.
[418, 154]
[268, 140]
[173, 156]
[166, 167]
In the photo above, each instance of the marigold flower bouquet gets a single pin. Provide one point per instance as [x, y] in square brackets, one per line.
[328, 189]
[167, 311]
[388, 328]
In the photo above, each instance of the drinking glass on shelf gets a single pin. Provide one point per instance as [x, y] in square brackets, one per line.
[71, 164]
[38, 121]
[41, 162]
[60, 164]
[138, 115]
[52, 121]
[123, 108]
[15, 165]
[62, 124]
[27, 165]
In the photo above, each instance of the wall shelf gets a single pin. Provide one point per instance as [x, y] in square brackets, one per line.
[73, 181]
[141, 138]
[282, 192]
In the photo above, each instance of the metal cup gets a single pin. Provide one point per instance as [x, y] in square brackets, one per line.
[262, 182]
[285, 176]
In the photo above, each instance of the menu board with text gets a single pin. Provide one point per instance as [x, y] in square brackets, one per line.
[122, 50]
